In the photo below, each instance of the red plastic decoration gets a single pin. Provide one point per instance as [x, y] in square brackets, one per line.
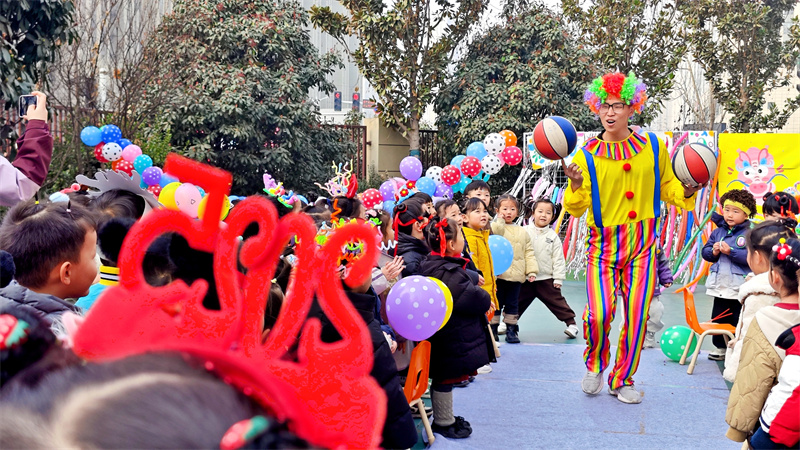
[343, 411]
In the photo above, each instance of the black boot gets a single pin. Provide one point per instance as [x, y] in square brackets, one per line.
[495, 326]
[511, 334]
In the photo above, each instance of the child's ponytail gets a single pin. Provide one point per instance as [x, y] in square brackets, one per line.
[786, 259]
[439, 232]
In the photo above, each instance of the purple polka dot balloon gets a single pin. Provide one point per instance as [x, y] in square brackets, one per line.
[443, 190]
[387, 190]
[416, 308]
[411, 168]
[152, 175]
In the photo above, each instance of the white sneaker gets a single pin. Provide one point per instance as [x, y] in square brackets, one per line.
[718, 354]
[572, 331]
[626, 394]
[501, 330]
[483, 370]
[649, 339]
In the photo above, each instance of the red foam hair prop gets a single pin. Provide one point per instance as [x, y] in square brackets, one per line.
[327, 397]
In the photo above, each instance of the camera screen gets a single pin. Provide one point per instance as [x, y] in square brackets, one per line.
[24, 102]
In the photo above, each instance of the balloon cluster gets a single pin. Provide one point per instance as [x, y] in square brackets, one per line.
[125, 157]
[483, 159]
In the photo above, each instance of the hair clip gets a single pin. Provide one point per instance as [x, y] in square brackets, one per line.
[243, 432]
[783, 249]
[13, 332]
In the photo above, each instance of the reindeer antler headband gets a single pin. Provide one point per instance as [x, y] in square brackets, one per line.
[344, 411]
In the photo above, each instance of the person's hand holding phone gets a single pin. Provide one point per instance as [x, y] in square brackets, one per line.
[39, 110]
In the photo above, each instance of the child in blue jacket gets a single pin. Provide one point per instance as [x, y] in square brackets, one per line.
[727, 249]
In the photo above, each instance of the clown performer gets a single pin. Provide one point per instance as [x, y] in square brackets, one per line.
[615, 177]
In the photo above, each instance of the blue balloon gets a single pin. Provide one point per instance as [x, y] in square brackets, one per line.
[167, 179]
[456, 161]
[462, 184]
[111, 133]
[502, 253]
[426, 185]
[388, 206]
[124, 143]
[142, 162]
[477, 150]
[91, 136]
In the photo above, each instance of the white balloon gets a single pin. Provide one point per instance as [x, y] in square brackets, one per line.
[494, 143]
[112, 151]
[491, 164]
[434, 173]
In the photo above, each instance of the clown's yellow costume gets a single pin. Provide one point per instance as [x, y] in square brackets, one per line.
[623, 185]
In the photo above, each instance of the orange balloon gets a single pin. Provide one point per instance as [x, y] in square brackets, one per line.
[115, 164]
[511, 138]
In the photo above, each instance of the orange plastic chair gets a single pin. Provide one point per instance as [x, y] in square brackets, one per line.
[417, 382]
[703, 329]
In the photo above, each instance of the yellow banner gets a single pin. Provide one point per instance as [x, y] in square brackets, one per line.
[760, 163]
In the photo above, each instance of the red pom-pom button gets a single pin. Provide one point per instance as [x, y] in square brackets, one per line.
[632, 214]
[629, 195]
[626, 167]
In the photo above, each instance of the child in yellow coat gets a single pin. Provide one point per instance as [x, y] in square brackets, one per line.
[477, 234]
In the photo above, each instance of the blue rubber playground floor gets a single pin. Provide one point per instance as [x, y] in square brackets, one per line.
[533, 398]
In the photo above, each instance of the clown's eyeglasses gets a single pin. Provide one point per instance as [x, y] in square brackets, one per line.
[618, 107]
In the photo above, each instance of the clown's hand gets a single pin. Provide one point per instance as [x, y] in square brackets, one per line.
[689, 190]
[574, 173]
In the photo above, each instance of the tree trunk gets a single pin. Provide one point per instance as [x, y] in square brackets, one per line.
[413, 133]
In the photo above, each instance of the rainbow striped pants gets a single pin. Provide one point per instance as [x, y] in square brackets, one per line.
[619, 257]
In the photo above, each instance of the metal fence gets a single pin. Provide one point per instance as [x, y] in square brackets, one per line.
[430, 153]
[357, 134]
[11, 127]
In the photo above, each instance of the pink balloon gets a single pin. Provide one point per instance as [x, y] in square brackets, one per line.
[511, 155]
[130, 153]
[187, 198]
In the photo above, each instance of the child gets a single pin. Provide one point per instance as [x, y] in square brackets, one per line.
[552, 267]
[427, 202]
[779, 205]
[756, 293]
[449, 208]
[398, 429]
[779, 424]
[478, 240]
[408, 222]
[522, 268]
[20, 180]
[478, 189]
[726, 248]
[656, 311]
[761, 359]
[462, 345]
[54, 247]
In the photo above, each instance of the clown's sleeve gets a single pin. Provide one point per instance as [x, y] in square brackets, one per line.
[671, 187]
[578, 201]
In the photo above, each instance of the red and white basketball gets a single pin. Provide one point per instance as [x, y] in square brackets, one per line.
[555, 138]
[694, 164]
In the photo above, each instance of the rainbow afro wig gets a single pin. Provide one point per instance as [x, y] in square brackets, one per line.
[632, 91]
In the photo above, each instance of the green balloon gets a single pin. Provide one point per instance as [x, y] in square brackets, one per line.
[674, 339]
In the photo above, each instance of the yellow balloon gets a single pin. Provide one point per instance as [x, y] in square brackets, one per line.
[448, 300]
[226, 207]
[167, 196]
